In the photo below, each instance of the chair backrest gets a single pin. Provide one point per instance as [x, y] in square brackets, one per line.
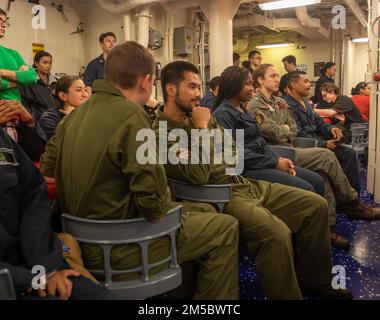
[300, 142]
[110, 233]
[7, 291]
[218, 195]
[359, 134]
[364, 125]
[286, 152]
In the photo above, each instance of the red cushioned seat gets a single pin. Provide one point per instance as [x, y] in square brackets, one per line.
[50, 186]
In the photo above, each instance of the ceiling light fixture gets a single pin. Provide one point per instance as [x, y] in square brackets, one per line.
[274, 45]
[360, 40]
[283, 4]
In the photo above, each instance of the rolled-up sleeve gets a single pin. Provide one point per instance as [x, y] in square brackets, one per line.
[25, 77]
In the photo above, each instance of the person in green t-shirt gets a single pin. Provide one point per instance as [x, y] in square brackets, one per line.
[15, 119]
[13, 69]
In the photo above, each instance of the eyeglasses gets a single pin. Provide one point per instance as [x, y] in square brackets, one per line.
[4, 22]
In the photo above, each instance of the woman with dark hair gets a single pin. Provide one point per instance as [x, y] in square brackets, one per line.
[260, 162]
[71, 93]
[360, 96]
[328, 72]
[209, 98]
[38, 97]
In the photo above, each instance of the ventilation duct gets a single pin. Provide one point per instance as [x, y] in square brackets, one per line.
[312, 23]
[282, 24]
[124, 6]
[241, 45]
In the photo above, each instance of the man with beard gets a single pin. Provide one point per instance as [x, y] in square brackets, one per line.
[93, 159]
[269, 214]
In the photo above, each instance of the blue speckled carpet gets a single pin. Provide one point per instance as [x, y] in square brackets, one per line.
[362, 261]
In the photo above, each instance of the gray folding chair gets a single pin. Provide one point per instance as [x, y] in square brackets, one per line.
[7, 291]
[285, 152]
[110, 233]
[359, 133]
[217, 195]
[300, 142]
[364, 125]
[291, 152]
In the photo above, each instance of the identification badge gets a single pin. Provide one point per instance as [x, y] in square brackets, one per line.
[259, 118]
[7, 157]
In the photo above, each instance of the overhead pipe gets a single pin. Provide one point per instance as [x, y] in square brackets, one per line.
[81, 36]
[125, 6]
[333, 45]
[201, 54]
[310, 22]
[282, 24]
[357, 11]
[143, 18]
[169, 32]
[241, 45]
[143, 24]
[127, 27]
[181, 5]
[219, 14]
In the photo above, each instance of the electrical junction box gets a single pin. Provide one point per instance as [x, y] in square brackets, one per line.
[183, 41]
[155, 39]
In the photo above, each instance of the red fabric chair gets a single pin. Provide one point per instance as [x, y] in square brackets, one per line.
[327, 120]
[50, 186]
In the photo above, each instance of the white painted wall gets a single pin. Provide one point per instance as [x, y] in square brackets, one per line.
[348, 72]
[97, 21]
[315, 51]
[67, 50]
[70, 52]
[356, 65]
[359, 63]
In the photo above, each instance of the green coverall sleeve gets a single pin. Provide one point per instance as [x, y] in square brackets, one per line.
[271, 131]
[147, 181]
[185, 149]
[291, 122]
